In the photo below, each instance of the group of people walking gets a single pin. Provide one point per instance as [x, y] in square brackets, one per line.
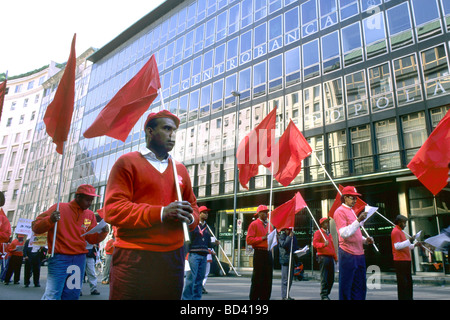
[151, 206]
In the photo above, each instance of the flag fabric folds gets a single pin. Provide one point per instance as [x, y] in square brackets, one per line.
[58, 115]
[2, 96]
[431, 163]
[358, 207]
[255, 149]
[119, 116]
[292, 149]
[283, 216]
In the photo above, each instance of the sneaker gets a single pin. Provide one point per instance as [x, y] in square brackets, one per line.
[105, 282]
[95, 293]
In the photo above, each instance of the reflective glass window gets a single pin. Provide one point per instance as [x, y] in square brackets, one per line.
[293, 108]
[246, 13]
[291, 26]
[169, 54]
[210, 32]
[164, 32]
[188, 44]
[276, 73]
[259, 79]
[191, 12]
[201, 10]
[230, 86]
[232, 53]
[446, 12]
[245, 84]
[181, 26]
[369, 4]
[274, 5]
[387, 144]
[196, 71]
[221, 26]
[260, 9]
[312, 107]
[374, 35]
[182, 107]
[219, 60]
[199, 38]
[338, 153]
[399, 26]
[331, 60]
[245, 47]
[205, 101]
[352, 44]
[186, 75]
[217, 96]
[311, 61]
[309, 18]
[292, 66]
[173, 26]
[194, 97]
[414, 131]
[435, 71]
[426, 18]
[407, 80]
[211, 7]
[275, 33]
[328, 13]
[260, 41]
[173, 106]
[178, 50]
[356, 95]
[333, 101]
[361, 143]
[315, 169]
[348, 8]
[176, 76]
[208, 65]
[233, 19]
[381, 91]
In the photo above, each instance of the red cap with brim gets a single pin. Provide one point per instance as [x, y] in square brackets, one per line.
[323, 220]
[162, 114]
[203, 208]
[261, 208]
[350, 191]
[87, 189]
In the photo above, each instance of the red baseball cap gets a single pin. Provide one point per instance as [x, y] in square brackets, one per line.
[162, 114]
[322, 220]
[350, 191]
[87, 189]
[261, 208]
[203, 208]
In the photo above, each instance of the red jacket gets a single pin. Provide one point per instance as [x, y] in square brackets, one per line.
[109, 247]
[135, 195]
[73, 223]
[397, 235]
[5, 227]
[319, 244]
[257, 230]
[12, 248]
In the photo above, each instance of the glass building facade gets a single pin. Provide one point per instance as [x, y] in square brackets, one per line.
[366, 81]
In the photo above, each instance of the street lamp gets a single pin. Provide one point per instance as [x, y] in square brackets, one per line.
[237, 95]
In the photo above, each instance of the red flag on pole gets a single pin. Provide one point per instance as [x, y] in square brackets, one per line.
[120, 115]
[2, 95]
[292, 149]
[358, 207]
[284, 216]
[255, 149]
[431, 163]
[59, 112]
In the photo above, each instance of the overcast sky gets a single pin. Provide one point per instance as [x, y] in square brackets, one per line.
[36, 32]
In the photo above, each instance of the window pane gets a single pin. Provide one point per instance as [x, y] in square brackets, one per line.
[276, 73]
[219, 60]
[275, 33]
[291, 26]
[435, 71]
[232, 53]
[309, 18]
[310, 54]
[205, 100]
[387, 141]
[312, 107]
[193, 104]
[230, 85]
[245, 84]
[361, 143]
[328, 13]
[259, 79]
[351, 44]
[380, 88]
[246, 47]
[399, 25]
[292, 66]
[414, 132]
[374, 35]
[331, 52]
[333, 101]
[407, 80]
[217, 96]
[260, 41]
[426, 17]
[337, 148]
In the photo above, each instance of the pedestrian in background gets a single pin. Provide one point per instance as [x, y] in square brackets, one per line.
[287, 242]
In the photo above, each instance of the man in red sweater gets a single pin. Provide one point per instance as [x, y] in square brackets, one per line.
[326, 256]
[73, 219]
[401, 248]
[141, 203]
[261, 287]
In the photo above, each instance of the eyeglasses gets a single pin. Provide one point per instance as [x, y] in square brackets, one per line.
[352, 198]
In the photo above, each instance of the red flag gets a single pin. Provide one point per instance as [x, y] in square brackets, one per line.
[358, 207]
[120, 115]
[431, 163]
[284, 216]
[292, 149]
[59, 112]
[2, 96]
[255, 149]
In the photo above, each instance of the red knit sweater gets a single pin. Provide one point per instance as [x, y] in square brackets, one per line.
[135, 194]
[257, 230]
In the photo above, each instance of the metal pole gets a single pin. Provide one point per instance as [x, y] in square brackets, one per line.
[237, 95]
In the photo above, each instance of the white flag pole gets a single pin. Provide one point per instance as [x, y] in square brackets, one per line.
[177, 186]
[329, 177]
[59, 196]
[223, 251]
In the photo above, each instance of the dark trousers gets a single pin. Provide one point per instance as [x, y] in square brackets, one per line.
[146, 275]
[326, 266]
[352, 276]
[404, 280]
[32, 266]
[14, 266]
[261, 287]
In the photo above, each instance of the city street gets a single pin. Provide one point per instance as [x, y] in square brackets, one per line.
[237, 288]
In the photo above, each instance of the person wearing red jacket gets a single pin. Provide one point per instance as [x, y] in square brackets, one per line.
[261, 286]
[15, 250]
[141, 202]
[326, 257]
[73, 219]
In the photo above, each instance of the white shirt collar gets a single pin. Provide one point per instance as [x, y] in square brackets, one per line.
[150, 155]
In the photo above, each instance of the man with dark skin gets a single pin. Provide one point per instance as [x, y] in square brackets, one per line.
[141, 202]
